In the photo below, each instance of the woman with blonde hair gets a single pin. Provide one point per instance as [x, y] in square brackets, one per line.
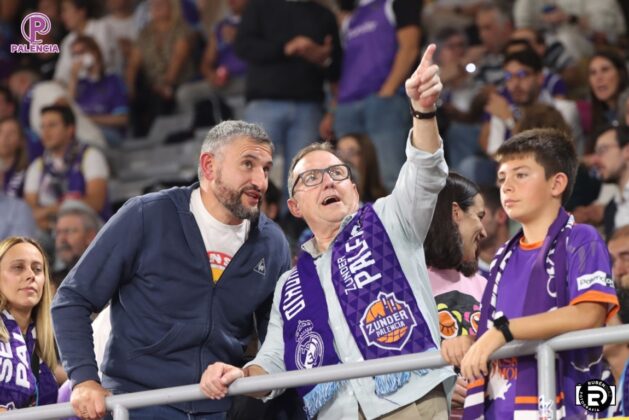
[27, 347]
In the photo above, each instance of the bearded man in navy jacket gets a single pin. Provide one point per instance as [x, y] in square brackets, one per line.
[190, 273]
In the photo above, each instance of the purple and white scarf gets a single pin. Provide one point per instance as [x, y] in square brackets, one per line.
[375, 297]
[19, 388]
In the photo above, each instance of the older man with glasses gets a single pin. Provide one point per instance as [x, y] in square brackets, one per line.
[360, 288]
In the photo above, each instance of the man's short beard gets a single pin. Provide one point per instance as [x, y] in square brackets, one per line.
[232, 200]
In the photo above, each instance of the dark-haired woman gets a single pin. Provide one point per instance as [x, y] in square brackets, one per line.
[452, 248]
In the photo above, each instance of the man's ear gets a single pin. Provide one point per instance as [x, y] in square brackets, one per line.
[559, 184]
[207, 162]
[293, 207]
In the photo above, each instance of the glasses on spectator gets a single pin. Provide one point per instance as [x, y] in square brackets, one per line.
[602, 149]
[67, 231]
[520, 74]
[312, 177]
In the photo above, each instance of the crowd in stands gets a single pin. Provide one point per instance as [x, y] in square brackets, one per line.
[152, 77]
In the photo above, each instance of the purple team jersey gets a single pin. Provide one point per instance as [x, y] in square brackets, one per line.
[588, 280]
[107, 96]
[370, 46]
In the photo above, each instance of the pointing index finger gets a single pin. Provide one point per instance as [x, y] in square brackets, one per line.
[427, 58]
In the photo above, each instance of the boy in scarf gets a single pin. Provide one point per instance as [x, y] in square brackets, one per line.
[552, 277]
[360, 289]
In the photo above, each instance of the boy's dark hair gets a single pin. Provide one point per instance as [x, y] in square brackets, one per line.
[527, 57]
[443, 246]
[67, 115]
[551, 148]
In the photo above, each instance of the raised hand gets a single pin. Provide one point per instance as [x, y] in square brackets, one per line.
[424, 85]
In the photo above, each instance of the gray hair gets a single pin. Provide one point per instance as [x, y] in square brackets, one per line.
[91, 220]
[228, 131]
[313, 147]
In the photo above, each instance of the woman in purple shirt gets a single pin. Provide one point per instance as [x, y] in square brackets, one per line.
[27, 358]
[103, 97]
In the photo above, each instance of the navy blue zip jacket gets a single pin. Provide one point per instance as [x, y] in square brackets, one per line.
[169, 319]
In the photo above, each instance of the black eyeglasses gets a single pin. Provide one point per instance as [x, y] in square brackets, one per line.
[314, 177]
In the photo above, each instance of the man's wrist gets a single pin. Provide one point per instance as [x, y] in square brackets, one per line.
[422, 113]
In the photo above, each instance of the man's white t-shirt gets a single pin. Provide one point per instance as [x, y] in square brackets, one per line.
[221, 241]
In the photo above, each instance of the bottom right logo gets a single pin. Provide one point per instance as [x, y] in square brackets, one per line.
[595, 395]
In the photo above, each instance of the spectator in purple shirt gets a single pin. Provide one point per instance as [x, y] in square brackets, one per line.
[103, 97]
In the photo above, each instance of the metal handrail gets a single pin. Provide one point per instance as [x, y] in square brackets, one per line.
[545, 350]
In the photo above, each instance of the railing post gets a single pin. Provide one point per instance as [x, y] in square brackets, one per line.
[121, 412]
[547, 407]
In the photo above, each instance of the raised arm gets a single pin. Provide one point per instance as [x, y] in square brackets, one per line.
[423, 89]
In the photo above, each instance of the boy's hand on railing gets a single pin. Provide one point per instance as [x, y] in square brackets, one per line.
[475, 362]
[88, 400]
[453, 349]
[217, 378]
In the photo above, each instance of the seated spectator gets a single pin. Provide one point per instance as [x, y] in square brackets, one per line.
[77, 16]
[67, 169]
[554, 55]
[222, 70]
[26, 335]
[494, 29]
[575, 22]
[102, 97]
[452, 248]
[608, 79]
[33, 95]
[618, 246]
[617, 355]
[17, 218]
[612, 161]
[161, 54]
[123, 30]
[76, 227]
[496, 223]
[358, 150]
[524, 82]
[553, 83]
[14, 158]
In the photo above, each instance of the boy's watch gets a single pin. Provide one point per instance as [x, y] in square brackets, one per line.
[501, 323]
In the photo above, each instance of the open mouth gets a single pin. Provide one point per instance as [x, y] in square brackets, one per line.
[330, 200]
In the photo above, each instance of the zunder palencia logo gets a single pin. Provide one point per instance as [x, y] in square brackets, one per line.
[34, 26]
